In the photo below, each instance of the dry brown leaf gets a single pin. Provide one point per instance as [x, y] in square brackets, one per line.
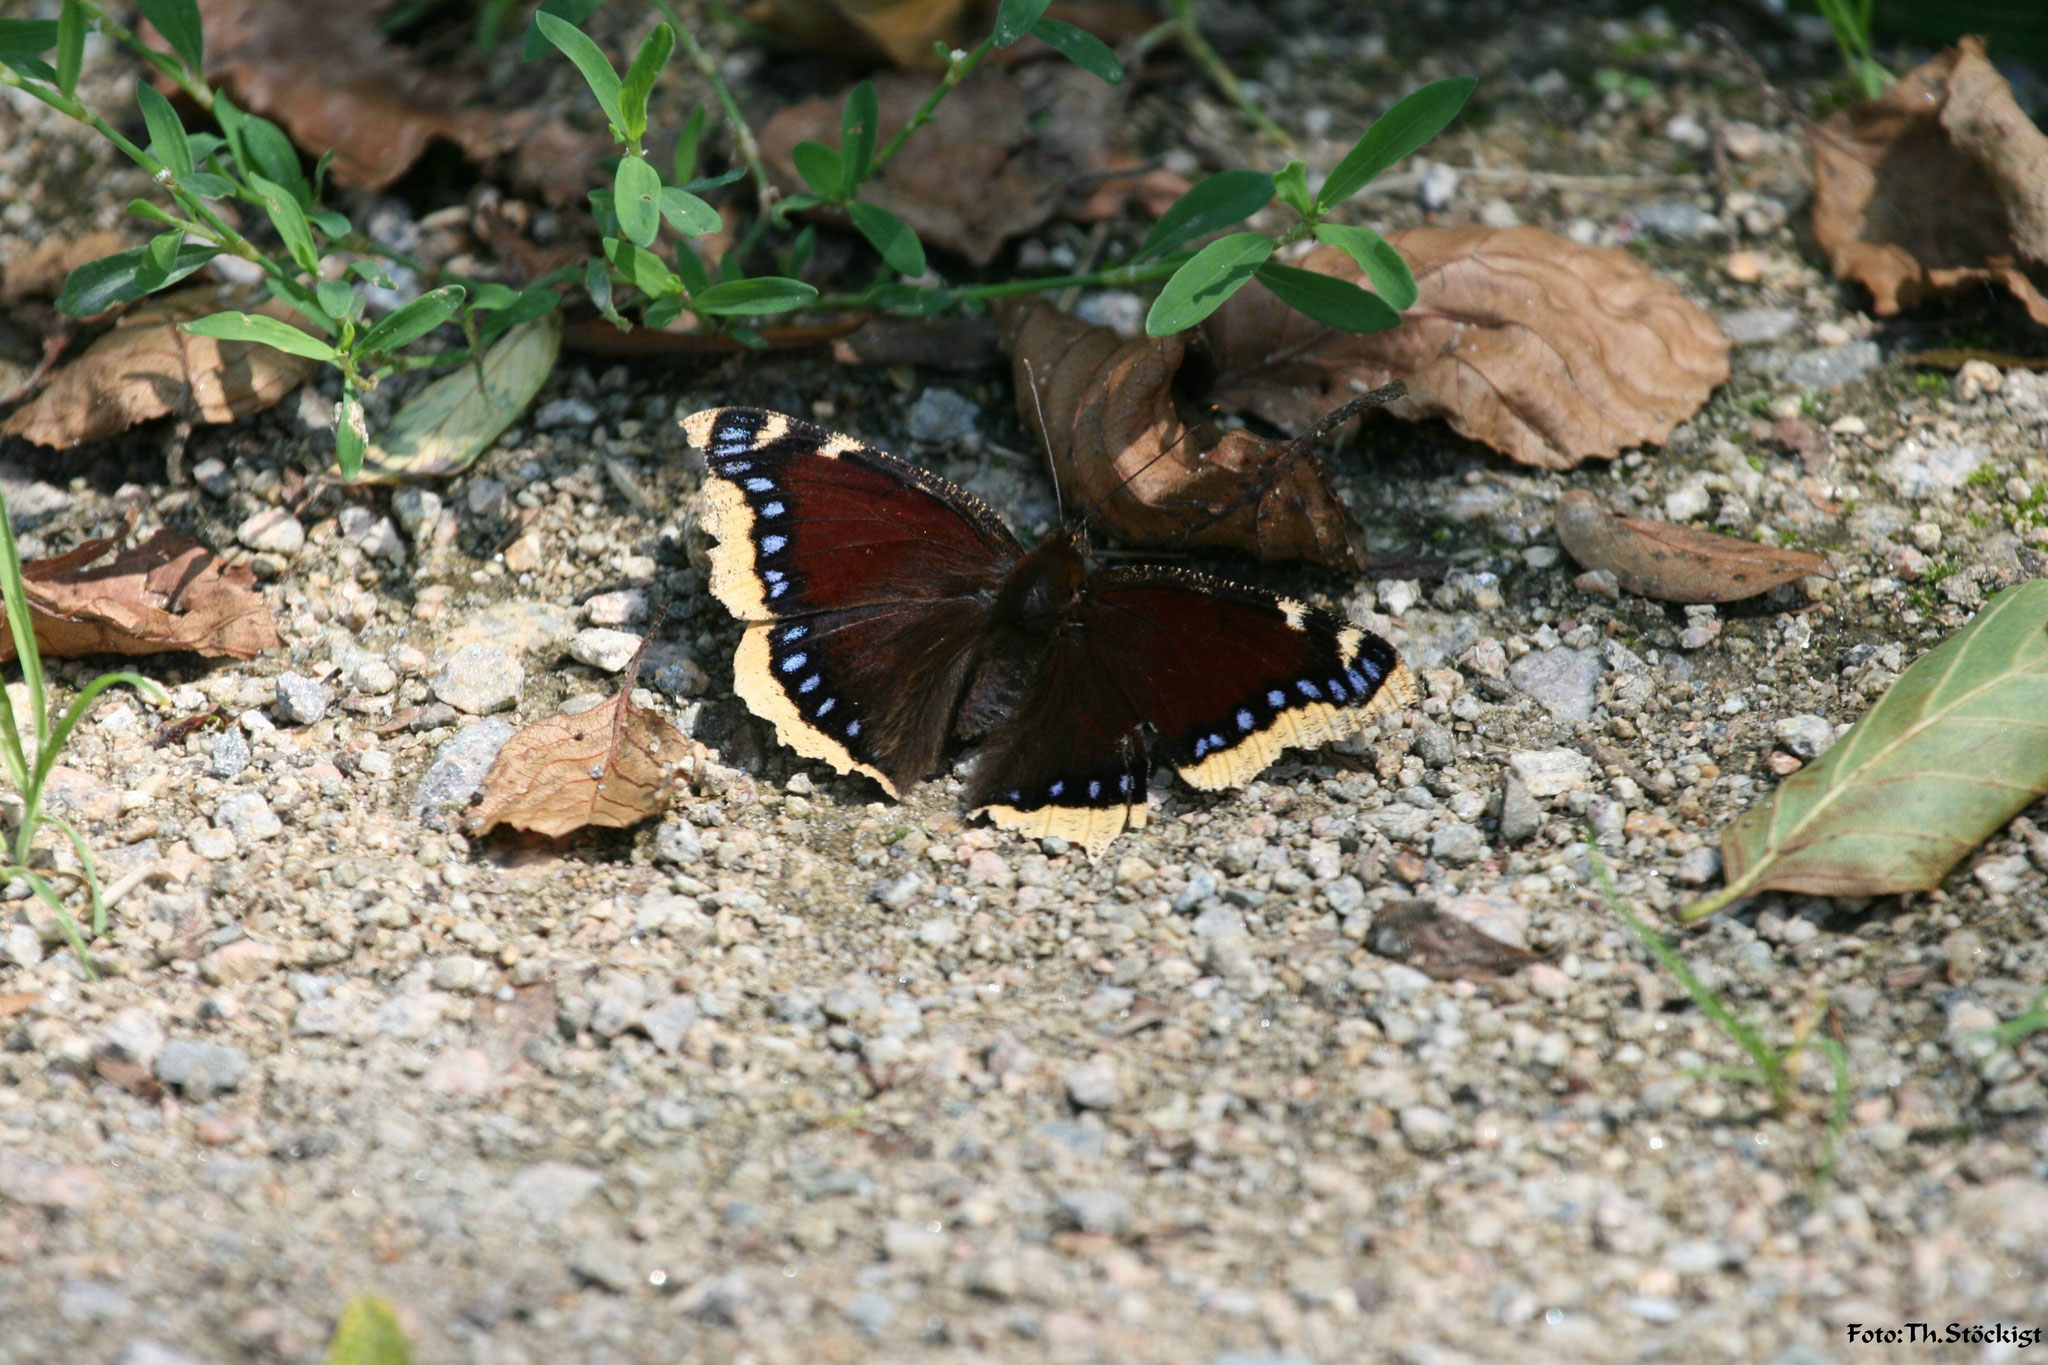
[1131, 445]
[898, 31]
[1548, 351]
[40, 273]
[980, 173]
[132, 1077]
[146, 367]
[1938, 183]
[17, 1002]
[326, 73]
[1674, 563]
[608, 767]
[168, 593]
[1442, 946]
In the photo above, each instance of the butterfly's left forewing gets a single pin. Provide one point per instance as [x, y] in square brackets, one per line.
[861, 578]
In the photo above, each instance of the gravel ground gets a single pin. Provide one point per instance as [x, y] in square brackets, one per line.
[802, 1075]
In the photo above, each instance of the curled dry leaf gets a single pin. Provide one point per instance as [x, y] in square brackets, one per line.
[1938, 183]
[146, 367]
[1952, 751]
[1442, 946]
[327, 74]
[980, 172]
[610, 767]
[168, 593]
[1673, 563]
[1129, 443]
[1548, 351]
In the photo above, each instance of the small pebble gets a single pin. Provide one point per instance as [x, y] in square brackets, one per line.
[302, 700]
[607, 650]
[480, 679]
[272, 531]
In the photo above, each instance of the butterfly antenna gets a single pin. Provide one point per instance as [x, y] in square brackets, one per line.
[1045, 438]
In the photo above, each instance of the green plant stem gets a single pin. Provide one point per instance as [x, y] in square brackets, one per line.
[193, 83]
[1112, 278]
[957, 70]
[1183, 29]
[742, 136]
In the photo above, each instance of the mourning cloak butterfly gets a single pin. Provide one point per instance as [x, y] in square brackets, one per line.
[889, 612]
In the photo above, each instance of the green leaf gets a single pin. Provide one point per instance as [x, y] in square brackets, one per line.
[207, 185]
[688, 214]
[491, 296]
[647, 64]
[597, 70]
[27, 37]
[1219, 201]
[167, 140]
[801, 250]
[662, 312]
[1955, 749]
[335, 225]
[687, 144]
[453, 420]
[178, 22]
[1212, 275]
[597, 282]
[713, 182]
[143, 208]
[35, 68]
[368, 1333]
[891, 236]
[641, 268]
[260, 147]
[1080, 47]
[96, 286]
[636, 198]
[859, 121]
[337, 300]
[532, 302]
[71, 23]
[1410, 123]
[821, 168]
[370, 272]
[690, 266]
[570, 11]
[1385, 267]
[289, 220]
[1329, 300]
[264, 332]
[1015, 18]
[351, 439]
[159, 259]
[401, 326]
[768, 294]
[1290, 186]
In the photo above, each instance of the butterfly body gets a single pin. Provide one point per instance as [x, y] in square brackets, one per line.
[891, 614]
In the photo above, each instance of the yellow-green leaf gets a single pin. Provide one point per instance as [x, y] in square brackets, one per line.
[1955, 749]
[454, 419]
[368, 1334]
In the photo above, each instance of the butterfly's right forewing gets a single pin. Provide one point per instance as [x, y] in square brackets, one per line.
[863, 579]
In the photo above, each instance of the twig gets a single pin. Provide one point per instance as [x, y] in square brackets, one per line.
[958, 68]
[1183, 29]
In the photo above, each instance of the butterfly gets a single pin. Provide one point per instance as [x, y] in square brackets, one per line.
[890, 614]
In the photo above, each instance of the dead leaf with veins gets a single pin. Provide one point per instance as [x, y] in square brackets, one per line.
[146, 367]
[1132, 441]
[1673, 563]
[1550, 352]
[327, 74]
[607, 768]
[1939, 183]
[168, 593]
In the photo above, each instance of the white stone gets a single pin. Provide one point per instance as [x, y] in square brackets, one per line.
[601, 648]
[1552, 772]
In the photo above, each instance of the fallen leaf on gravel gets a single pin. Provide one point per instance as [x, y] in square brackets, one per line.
[168, 593]
[17, 1002]
[1442, 947]
[1672, 563]
[327, 74]
[609, 767]
[980, 173]
[1952, 751]
[40, 273]
[1549, 352]
[1938, 183]
[899, 31]
[1133, 447]
[457, 417]
[130, 1076]
[146, 367]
